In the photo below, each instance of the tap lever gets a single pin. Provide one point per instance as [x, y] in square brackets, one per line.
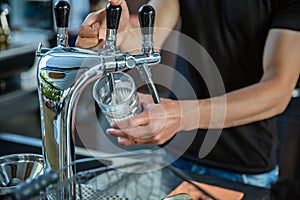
[146, 18]
[113, 14]
[62, 12]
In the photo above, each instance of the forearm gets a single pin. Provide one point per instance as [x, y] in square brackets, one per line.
[259, 101]
[250, 104]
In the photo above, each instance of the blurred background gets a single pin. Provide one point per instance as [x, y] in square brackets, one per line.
[29, 22]
[26, 23]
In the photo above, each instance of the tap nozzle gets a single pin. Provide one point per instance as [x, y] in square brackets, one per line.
[113, 14]
[146, 18]
[62, 12]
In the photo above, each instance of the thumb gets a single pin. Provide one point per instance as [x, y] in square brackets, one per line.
[115, 2]
[122, 3]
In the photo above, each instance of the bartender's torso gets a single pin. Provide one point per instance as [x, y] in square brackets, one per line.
[233, 32]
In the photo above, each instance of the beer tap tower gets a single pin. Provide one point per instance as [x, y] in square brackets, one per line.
[64, 72]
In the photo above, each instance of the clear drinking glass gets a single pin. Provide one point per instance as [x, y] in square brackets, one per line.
[116, 96]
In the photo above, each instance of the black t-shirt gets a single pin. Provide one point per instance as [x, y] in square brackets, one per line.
[233, 32]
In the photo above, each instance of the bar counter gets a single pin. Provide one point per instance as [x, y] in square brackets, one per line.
[12, 144]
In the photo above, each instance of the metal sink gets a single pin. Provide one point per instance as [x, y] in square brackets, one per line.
[17, 144]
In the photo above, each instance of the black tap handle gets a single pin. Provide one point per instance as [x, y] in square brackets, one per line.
[146, 18]
[62, 12]
[113, 14]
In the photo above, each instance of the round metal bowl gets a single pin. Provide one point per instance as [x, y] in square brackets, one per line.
[17, 168]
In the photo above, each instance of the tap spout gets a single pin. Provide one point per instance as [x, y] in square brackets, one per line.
[63, 74]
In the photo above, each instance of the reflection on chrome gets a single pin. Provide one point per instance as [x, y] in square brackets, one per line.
[63, 73]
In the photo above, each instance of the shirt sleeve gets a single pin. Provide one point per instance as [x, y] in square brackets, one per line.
[287, 15]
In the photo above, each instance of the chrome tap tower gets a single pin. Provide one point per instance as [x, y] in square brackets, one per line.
[64, 72]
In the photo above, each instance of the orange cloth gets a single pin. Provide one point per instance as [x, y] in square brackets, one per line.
[216, 192]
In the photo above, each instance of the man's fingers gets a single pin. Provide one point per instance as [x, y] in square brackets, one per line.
[145, 98]
[87, 42]
[132, 141]
[115, 2]
[89, 31]
[116, 132]
[138, 132]
[139, 120]
[92, 18]
[124, 141]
